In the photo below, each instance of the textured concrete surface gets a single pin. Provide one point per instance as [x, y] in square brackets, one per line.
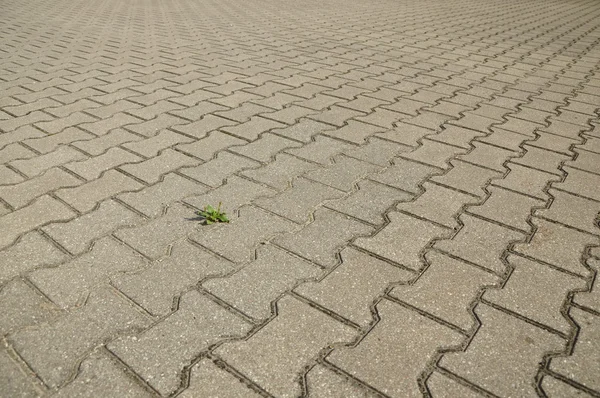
[413, 187]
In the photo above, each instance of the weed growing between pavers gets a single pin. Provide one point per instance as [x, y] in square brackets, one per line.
[212, 215]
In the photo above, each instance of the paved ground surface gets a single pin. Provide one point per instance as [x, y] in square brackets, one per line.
[413, 187]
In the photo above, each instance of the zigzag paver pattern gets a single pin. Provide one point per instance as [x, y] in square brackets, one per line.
[414, 189]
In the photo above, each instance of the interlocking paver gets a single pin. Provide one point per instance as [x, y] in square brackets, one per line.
[383, 165]
[320, 240]
[99, 145]
[14, 381]
[181, 270]
[53, 349]
[513, 350]
[343, 173]
[209, 380]
[101, 371]
[68, 287]
[392, 365]
[323, 382]
[251, 228]
[451, 300]
[392, 241]
[85, 197]
[530, 280]
[295, 330]
[350, 288]
[252, 289]
[438, 204]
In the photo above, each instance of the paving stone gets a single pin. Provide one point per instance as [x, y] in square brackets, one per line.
[77, 235]
[405, 175]
[212, 173]
[22, 306]
[208, 146]
[350, 289]
[104, 126]
[353, 131]
[554, 143]
[591, 299]
[325, 383]
[542, 160]
[15, 382]
[587, 161]
[70, 284]
[21, 134]
[530, 281]
[209, 380]
[281, 172]
[202, 127]
[467, 177]
[557, 388]
[30, 252]
[558, 245]
[393, 354]
[9, 177]
[265, 148]
[252, 129]
[592, 144]
[344, 173]
[101, 372]
[15, 151]
[489, 156]
[438, 204]
[154, 145]
[513, 350]
[370, 202]
[377, 151]
[580, 183]
[508, 140]
[195, 112]
[41, 211]
[236, 241]
[322, 150]
[389, 242]
[155, 287]
[49, 143]
[527, 181]
[152, 169]
[53, 349]
[298, 202]
[442, 386]
[92, 168]
[571, 210]
[451, 301]
[85, 197]
[99, 145]
[153, 238]
[585, 352]
[298, 329]
[58, 125]
[304, 130]
[152, 200]
[406, 134]
[233, 195]
[508, 208]
[252, 289]
[457, 136]
[21, 194]
[198, 323]
[434, 153]
[321, 240]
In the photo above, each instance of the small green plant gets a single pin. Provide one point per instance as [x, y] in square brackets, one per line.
[212, 215]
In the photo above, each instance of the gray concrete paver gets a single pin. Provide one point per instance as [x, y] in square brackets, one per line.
[382, 165]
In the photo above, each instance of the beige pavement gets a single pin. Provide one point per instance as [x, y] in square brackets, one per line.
[413, 187]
